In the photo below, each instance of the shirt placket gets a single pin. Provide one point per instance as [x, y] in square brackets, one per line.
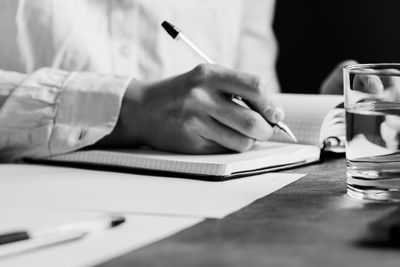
[123, 26]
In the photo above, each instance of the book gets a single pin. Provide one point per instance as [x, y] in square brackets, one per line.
[313, 119]
[317, 120]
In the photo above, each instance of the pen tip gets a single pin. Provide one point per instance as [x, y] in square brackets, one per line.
[170, 29]
[286, 129]
[116, 220]
[293, 137]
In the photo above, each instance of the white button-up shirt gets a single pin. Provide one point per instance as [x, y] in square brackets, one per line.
[64, 65]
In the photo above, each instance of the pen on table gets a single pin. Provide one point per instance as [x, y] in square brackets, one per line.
[22, 241]
[178, 35]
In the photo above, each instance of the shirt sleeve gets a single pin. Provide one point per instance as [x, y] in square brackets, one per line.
[52, 111]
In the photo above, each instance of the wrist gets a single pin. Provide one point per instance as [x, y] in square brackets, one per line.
[128, 131]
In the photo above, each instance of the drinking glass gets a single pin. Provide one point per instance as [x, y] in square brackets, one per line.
[372, 104]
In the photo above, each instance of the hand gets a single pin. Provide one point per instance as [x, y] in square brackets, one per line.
[390, 132]
[333, 84]
[386, 86]
[194, 112]
[382, 89]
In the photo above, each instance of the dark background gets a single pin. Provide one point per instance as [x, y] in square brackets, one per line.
[315, 35]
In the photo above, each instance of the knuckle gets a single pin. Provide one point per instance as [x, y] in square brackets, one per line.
[271, 110]
[196, 97]
[194, 146]
[244, 144]
[250, 122]
[201, 73]
[259, 85]
[195, 94]
[204, 147]
[198, 147]
[188, 103]
[190, 125]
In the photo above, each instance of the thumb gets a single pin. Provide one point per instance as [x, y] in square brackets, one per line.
[272, 111]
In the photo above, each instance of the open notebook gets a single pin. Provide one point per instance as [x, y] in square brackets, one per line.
[313, 118]
[317, 120]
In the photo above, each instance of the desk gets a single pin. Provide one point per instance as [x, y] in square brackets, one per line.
[308, 223]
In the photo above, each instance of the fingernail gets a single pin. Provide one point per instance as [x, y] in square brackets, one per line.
[278, 115]
[373, 85]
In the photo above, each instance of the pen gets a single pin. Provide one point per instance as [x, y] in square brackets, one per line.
[22, 241]
[178, 35]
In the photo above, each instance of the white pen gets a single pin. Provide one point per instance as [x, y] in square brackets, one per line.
[16, 242]
[178, 35]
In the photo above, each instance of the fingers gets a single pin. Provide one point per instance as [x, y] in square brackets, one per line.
[393, 122]
[390, 132]
[368, 83]
[333, 84]
[377, 82]
[384, 85]
[218, 120]
[250, 87]
[240, 119]
[223, 136]
[392, 84]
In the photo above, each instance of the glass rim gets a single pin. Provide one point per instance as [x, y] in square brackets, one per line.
[373, 68]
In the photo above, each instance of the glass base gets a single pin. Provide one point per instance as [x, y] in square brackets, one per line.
[374, 194]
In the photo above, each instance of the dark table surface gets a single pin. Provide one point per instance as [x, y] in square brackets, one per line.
[308, 223]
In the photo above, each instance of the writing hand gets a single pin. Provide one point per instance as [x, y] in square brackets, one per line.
[194, 112]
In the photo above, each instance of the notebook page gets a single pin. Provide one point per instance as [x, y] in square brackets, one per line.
[305, 114]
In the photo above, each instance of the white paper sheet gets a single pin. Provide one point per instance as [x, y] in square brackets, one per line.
[137, 231]
[77, 189]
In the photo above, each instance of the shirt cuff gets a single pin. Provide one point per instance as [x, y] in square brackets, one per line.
[87, 110]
